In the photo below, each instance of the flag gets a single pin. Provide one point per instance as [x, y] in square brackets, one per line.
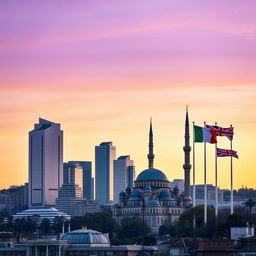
[202, 134]
[219, 131]
[226, 152]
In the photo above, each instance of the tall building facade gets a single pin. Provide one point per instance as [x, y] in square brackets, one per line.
[45, 163]
[105, 154]
[124, 172]
[73, 174]
[88, 186]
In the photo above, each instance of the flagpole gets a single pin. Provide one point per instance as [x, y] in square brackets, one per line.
[205, 186]
[194, 176]
[216, 182]
[231, 180]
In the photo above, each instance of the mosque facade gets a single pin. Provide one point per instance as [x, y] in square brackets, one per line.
[152, 198]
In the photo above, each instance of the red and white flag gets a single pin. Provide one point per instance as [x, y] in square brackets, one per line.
[219, 131]
[226, 152]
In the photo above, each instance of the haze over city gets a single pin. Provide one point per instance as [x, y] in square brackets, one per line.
[101, 69]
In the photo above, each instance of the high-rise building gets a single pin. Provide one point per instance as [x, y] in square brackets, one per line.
[92, 188]
[105, 154]
[45, 163]
[73, 174]
[123, 175]
[88, 189]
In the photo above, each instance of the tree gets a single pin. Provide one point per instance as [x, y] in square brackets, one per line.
[19, 224]
[250, 204]
[133, 228]
[57, 224]
[100, 221]
[45, 226]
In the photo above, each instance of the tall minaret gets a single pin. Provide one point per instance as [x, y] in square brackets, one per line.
[150, 147]
[187, 165]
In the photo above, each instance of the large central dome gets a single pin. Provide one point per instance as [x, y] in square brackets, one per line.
[151, 174]
[151, 177]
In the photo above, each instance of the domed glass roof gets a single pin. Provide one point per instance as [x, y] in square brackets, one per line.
[151, 174]
[86, 236]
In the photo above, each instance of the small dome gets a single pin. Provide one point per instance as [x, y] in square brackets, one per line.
[165, 195]
[135, 193]
[153, 203]
[128, 190]
[147, 189]
[176, 189]
[122, 194]
[135, 196]
[151, 174]
[86, 237]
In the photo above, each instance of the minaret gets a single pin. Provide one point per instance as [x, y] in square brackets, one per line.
[150, 147]
[187, 165]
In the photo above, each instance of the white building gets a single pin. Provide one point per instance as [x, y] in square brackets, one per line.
[45, 163]
[105, 154]
[124, 174]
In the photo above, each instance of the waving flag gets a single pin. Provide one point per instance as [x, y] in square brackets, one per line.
[226, 152]
[219, 131]
[202, 134]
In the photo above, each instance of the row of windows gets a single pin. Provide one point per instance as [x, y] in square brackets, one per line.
[101, 253]
[247, 254]
[154, 184]
[151, 211]
[12, 253]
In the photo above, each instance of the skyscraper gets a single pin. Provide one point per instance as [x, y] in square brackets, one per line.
[73, 174]
[45, 163]
[123, 175]
[105, 154]
[88, 186]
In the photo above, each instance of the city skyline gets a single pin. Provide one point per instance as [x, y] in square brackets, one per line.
[101, 70]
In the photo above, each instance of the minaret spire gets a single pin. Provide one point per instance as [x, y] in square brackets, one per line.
[187, 165]
[150, 147]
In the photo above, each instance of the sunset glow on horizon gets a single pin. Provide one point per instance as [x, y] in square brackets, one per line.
[102, 68]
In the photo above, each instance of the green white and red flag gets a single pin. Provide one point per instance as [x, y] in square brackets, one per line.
[204, 134]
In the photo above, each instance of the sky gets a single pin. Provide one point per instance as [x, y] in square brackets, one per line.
[102, 68]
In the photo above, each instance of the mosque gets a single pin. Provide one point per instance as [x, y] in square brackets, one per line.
[152, 198]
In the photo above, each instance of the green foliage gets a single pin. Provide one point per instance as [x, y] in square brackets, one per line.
[215, 228]
[45, 226]
[100, 221]
[57, 224]
[133, 227]
[250, 204]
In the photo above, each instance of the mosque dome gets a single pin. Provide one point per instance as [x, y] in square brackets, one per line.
[135, 196]
[86, 237]
[165, 195]
[151, 174]
[176, 189]
[153, 203]
[122, 194]
[147, 189]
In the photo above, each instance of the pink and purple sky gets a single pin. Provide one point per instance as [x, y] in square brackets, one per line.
[102, 68]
